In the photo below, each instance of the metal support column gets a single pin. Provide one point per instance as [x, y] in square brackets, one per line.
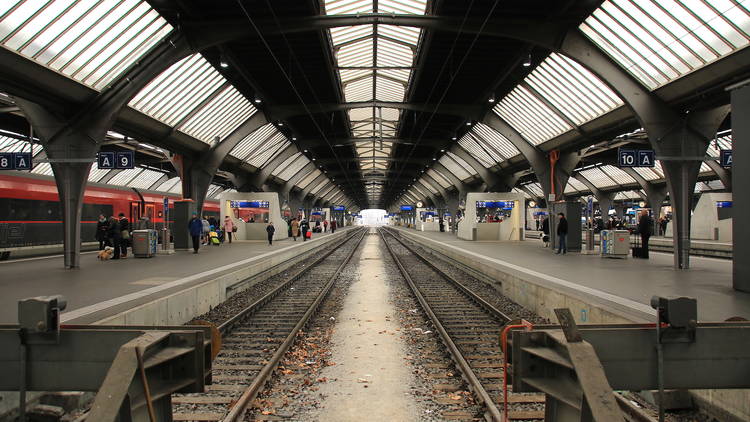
[741, 192]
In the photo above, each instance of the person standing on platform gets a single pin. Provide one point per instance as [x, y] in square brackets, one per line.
[124, 235]
[295, 229]
[195, 226]
[305, 227]
[441, 225]
[228, 228]
[545, 231]
[101, 231]
[205, 228]
[114, 235]
[562, 234]
[270, 229]
[325, 226]
[645, 228]
[333, 226]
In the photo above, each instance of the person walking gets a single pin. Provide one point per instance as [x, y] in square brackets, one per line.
[305, 227]
[295, 229]
[333, 226]
[195, 226]
[645, 228]
[562, 234]
[124, 235]
[228, 228]
[205, 229]
[270, 229]
[114, 235]
[101, 231]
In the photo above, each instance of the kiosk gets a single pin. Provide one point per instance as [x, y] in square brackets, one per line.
[493, 216]
[427, 220]
[251, 212]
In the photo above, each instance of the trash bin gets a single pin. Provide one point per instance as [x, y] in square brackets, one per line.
[144, 243]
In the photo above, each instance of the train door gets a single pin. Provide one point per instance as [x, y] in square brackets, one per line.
[151, 212]
[135, 211]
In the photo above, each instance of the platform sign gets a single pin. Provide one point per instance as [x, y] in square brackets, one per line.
[723, 204]
[590, 205]
[725, 158]
[7, 162]
[646, 158]
[22, 160]
[339, 208]
[407, 207]
[166, 209]
[626, 157]
[105, 160]
[125, 160]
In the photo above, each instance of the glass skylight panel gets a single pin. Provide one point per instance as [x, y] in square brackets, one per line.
[42, 168]
[723, 141]
[124, 176]
[145, 179]
[454, 168]
[285, 164]
[214, 191]
[268, 151]
[647, 173]
[389, 90]
[179, 90]
[9, 144]
[96, 174]
[522, 192]
[597, 177]
[572, 89]
[442, 180]
[220, 116]
[428, 185]
[569, 188]
[576, 184]
[167, 185]
[391, 54]
[302, 184]
[90, 41]
[360, 90]
[357, 54]
[530, 117]
[347, 34]
[253, 141]
[617, 174]
[319, 186]
[176, 189]
[661, 40]
[348, 7]
[470, 144]
[402, 7]
[294, 167]
[496, 140]
[705, 168]
[534, 188]
[469, 169]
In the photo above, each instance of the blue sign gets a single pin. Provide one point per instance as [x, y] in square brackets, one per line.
[646, 158]
[248, 204]
[22, 160]
[506, 205]
[106, 160]
[7, 162]
[723, 204]
[407, 207]
[725, 156]
[125, 160]
[339, 208]
[636, 158]
[590, 205]
[15, 161]
[166, 209]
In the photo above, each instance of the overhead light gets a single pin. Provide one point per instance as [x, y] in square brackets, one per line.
[313, 159]
[294, 138]
[492, 98]
[434, 159]
[442, 150]
[223, 62]
[257, 100]
[453, 138]
[304, 151]
[527, 63]
[281, 123]
[468, 123]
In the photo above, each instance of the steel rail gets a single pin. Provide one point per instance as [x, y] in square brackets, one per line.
[237, 412]
[493, 413]
[227, 325]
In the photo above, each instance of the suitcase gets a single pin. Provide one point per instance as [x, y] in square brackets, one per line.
[308, 235]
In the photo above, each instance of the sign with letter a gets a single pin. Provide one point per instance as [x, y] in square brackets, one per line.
[726, 158]
[106, 160]
[22, 160]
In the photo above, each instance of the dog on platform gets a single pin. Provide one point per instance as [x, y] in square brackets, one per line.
[106, 253]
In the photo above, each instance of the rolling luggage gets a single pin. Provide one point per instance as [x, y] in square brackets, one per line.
[638, 250]
[308, 235]
[214, 238]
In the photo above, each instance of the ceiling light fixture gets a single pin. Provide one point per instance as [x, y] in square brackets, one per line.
[223, 62]
[304, 151]
[294, 138]
[527, 62]
[492, 98]
[442, 150]
[257, 100]
[453, 138]
[468, 123]
[280, 123]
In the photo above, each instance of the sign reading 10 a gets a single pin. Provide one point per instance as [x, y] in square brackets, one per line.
[636, 158]
[116, 160]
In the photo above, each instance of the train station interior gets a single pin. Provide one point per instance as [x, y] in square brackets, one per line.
[405, 210]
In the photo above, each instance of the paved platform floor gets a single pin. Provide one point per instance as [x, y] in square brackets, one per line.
[97, 282]
[709, 279]
[365, 355]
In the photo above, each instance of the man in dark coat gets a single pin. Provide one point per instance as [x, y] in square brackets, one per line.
[304, 228]
[645, 228]
[195, 226]
[333, 226]
[124, 235]
[545, 231]
[114, 235]
[101, 231]
[270, 229]
[562, 234]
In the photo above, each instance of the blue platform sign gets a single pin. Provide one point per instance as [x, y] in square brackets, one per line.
[106, 160]
[22, 160]
[725, 157]
[646, 158]
[125, 160]
[626, 157]
[339, 208]
[407, 207]
[7, 162]
[723, 204]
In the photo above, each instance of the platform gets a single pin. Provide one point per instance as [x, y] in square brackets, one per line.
[622, 283]
[101, 289]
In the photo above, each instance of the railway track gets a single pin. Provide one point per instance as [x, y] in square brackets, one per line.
[468, 326]
[255, 340]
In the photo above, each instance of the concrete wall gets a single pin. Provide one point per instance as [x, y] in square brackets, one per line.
[705, 221]
[513, 226]
[274, 212]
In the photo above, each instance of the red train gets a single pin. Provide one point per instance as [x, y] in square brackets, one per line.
[31, 215]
